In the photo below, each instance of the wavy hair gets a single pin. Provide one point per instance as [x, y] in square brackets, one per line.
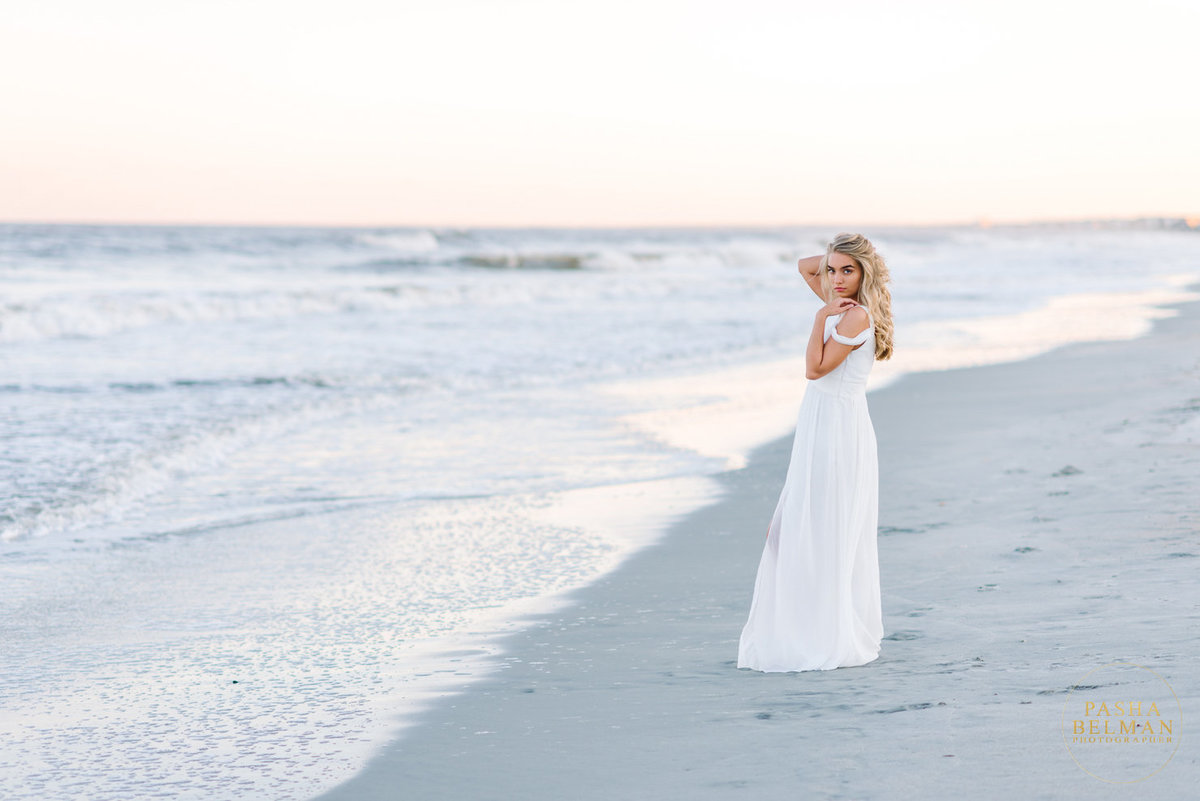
[873, 292]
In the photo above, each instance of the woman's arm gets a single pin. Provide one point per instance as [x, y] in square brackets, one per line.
[810, 268]
[821, 357]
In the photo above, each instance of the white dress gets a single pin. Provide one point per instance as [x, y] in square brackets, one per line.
[816, 598]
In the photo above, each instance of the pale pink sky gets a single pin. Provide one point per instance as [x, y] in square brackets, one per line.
[616, 113]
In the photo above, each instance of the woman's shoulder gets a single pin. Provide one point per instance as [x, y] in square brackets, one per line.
[851, 327]
[856, 318]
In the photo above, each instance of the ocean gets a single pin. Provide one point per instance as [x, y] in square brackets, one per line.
[265, 492]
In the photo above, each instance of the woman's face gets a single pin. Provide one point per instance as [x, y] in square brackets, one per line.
[845, 276]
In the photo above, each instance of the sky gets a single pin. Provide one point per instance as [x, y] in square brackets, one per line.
[563, 113]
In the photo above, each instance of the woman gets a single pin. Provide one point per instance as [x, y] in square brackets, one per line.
[816, 598]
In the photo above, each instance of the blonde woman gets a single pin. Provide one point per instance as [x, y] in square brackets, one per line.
[816, 597]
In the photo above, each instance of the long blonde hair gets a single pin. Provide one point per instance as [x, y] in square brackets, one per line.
[873, 292]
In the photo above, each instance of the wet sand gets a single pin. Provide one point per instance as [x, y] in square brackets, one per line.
[1037, 520]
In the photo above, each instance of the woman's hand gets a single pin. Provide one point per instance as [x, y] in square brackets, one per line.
[837, 307]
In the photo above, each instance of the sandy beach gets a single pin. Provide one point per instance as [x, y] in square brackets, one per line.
[394, 400]
[1038, 521]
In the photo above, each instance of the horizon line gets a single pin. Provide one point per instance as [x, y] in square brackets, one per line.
[1191, 221]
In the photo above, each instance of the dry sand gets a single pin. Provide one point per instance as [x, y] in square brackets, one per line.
[1037, 520]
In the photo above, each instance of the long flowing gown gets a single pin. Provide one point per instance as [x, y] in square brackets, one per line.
[816, 599]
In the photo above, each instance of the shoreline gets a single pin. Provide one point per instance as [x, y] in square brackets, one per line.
[1006, 577]
[726, 412]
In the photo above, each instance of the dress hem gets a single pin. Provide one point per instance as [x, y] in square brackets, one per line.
[807, 670]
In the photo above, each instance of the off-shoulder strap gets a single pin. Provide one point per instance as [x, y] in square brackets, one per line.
[859, 338]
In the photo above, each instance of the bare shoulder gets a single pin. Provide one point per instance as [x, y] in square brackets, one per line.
[854, 321]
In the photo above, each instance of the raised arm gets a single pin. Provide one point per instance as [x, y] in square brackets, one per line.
[810, 268]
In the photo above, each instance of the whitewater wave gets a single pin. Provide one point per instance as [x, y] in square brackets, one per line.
[46, 312]
[115, 489]
[105, 314]
[402, 241]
